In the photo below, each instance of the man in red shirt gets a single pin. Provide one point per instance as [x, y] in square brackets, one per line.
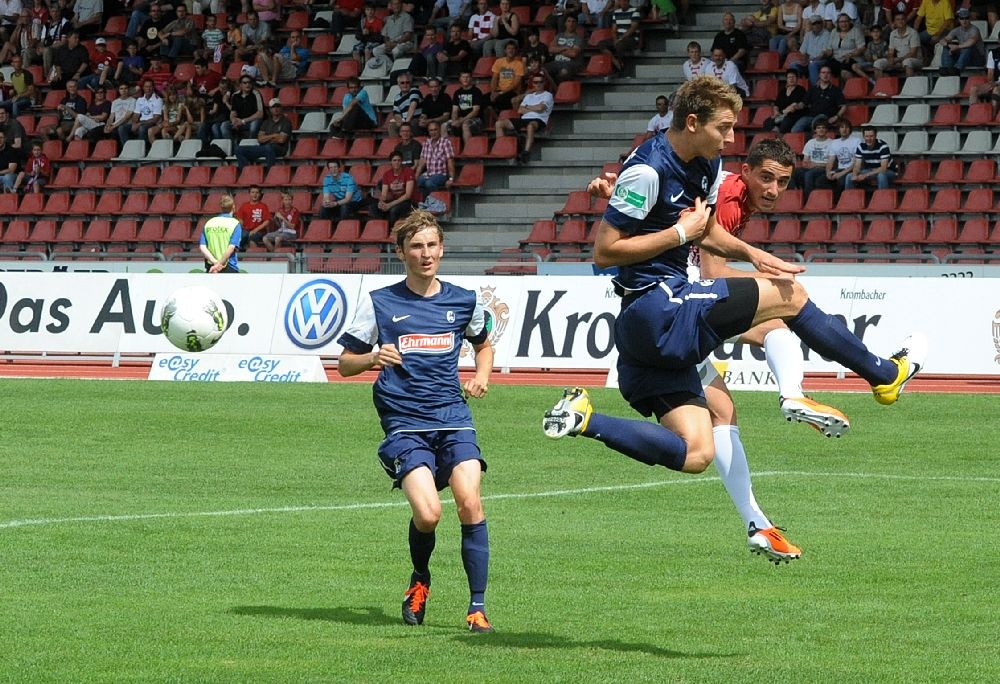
[255, 217]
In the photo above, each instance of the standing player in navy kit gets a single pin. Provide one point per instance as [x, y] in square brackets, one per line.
[667, 325]
[418, 326]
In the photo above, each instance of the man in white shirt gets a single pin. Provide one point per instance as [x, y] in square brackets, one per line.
[533, 112]
[148, 113]
[696, 65]
[728, 72]
[840, 156]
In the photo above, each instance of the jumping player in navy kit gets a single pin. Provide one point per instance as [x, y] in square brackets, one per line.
[418, 326]
[667, 325]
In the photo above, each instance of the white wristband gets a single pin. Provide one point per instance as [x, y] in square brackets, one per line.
[681, 234]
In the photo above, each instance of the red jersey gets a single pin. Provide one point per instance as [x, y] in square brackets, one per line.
[397, 182]
[253, 214]
[289, 220]
[732, 211]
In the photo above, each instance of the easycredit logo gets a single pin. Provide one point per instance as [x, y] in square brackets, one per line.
[426, 344]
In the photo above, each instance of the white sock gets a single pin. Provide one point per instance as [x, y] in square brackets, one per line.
[783, 351]
[731, 462]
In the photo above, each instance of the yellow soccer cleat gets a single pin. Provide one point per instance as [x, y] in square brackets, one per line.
[569, 416]
[909, 360]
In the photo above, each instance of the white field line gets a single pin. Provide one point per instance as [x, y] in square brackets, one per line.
[40, 522]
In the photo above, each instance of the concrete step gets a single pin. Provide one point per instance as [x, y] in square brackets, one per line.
[597, 153]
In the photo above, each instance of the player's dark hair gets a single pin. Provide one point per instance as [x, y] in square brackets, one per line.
[703, 96]
[413, 224]
[770, 149]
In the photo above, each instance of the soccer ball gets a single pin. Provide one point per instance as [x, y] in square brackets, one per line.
[193, 318]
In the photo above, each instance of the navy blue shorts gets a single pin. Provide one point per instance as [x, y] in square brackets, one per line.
[662, 336]
[439, 450]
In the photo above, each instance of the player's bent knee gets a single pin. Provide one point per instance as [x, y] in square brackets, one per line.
[698, 460]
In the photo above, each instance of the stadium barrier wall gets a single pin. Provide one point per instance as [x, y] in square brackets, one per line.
[554, 322]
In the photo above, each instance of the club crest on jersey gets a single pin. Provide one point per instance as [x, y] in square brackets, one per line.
[415, 343]
[704, 185]
[450, 316]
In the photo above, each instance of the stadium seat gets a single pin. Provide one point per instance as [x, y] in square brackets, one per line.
[42, 234]
[190, 202]
[914, 88]
[163, 203]
[32, 204]
[978, 114]
[84, 203]
[946, 114]
[766, 62]
[504, 148]
[851, 201]
[317, 232]
[848, 231]
[361, 148]
[979, 201]
[69, 177]
[916, 172]
[918, 114]
[76, 151]
[312, 122]
[944, 143]
[855, 88]
[147, 177]
[756, 231]
[978, 142]
[346, 231]
[820, 201]
[885, 86]
[789, 203]
[915, 201]
[881, 231]
[945, 87]
[764, 90]
[883, 201]
[17, 233]
[136, 203]
[160, 151]
[470, 176]
[543, 234]
[58, 203]
[943, 231]
[982, 171]
[319, 70]
[151, 231]
[948, 171]
[786, 231]
[598, 66]
[278, 176]
[305, 176]
[568, 93]
[109, 203]
[124, 231]
[976, 231]
[817, 232]
[578, 203]
[375, 232]
[305, 149]
[912, 231]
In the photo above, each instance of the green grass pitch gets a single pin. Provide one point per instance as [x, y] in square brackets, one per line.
[168, 532]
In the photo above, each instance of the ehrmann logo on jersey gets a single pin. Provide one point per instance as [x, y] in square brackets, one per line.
[315, 314]
[442, 343]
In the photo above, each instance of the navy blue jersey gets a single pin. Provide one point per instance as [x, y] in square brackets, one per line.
[423, 393]
[653, 188]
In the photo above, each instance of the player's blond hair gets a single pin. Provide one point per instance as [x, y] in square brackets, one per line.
[227, 204]
[413, 224]
[703, 96]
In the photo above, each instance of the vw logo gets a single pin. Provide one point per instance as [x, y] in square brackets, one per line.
[315, 314]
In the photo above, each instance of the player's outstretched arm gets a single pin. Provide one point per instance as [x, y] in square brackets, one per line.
[719, 241]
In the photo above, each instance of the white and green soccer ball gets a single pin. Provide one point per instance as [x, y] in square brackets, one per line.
[194, 318]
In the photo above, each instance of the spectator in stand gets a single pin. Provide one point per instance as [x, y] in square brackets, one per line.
[25, 92]
[269, 12]
[595, 13]
[875, 49]
[341, 195]
[436, 167]
[890, 8]
[727, 71]
[256, 219]
[148, 113]
[508, 79]
[561, 10]
[533, 67]
[813, 8]
[789, 27]
[177, 122]
[533, 112]
[10, 164]
[408, 147]
[813, 45]
[843, 46]
[132, 65]
[287, 224]
[88, 17]
[426, 60]
[104, 65]
[934, 19]
[397, 34]
[37, 171]
[466, 109]
[660, 121]
[346, 16]
[733, 42]
[215, 121]
[273, 138]
[695, 65]
[666, 11]
[480, 26]
[159, 73]
[435, 106]
[567, 52]
[406, 106]
[122, 109]
[220, 238]
[762, 25]
[840, 157]
[790, 105]
[506, 27]
[233, 44]
[246, 110]
[904, 50]
[151, 35]
[70, 62]
[834, 8]
[456, 56]
[256, 38]
[369, 34]
[69, 107]
[55, 34]
[534, 47]
[288, 64]
[962, 47]
[213, 40]
[448, 12]
[395, 199]
[872, 161]
[825, 99]
[205, 82]
[19, 42]
[358, 113]
[180, 37]
[812, 173]
[625, 23]
[17, 137]
[92, 123]
[990, 90]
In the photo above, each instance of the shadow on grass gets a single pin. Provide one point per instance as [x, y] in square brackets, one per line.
[367, 615]
[531, 640]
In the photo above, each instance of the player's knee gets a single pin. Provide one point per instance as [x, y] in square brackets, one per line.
[699, 458]
[426, 517]
[470, 512]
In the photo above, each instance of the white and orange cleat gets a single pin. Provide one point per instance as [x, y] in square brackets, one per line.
[771, 544]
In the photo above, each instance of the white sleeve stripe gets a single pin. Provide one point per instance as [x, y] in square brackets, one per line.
[636, 191]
